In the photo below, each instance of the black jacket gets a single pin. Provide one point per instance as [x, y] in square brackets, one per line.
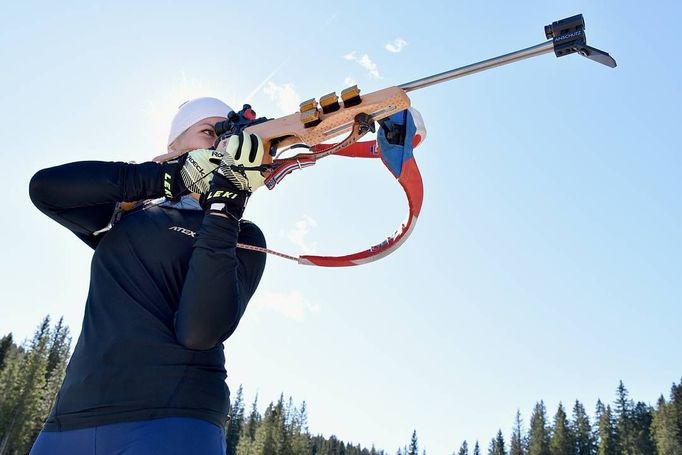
[167, 287]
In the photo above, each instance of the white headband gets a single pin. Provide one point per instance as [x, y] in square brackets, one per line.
[190, 112]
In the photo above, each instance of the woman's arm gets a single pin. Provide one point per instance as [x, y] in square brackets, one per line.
[82, 196]
[220, 281]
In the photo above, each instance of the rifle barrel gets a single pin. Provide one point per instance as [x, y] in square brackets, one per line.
[533, 51]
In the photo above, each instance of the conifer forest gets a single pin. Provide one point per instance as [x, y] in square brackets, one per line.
[31, 373]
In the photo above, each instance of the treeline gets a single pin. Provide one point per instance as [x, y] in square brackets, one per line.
[626, 428]
[282, 430]
[30, 376]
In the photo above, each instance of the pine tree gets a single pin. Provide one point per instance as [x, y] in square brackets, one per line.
[497, 445]
[254, 420]
[283, 422]
[277, 431]
[233, 428]
[492, 447]
[561, 442]
[599, 411]
[538, 438]
[301, 438]
[516, 445]
[282, 435]
[667, 423]
[582, 431]
[22, 404]
[663, 432]
[624, 426]
[463, 449]
[6, 344]
[477, 449]
[246, 444]
[264, 442]
[58, 349]
[9, 377]
[414, 447]
[607, 434]
[676, 412]
[641, 426]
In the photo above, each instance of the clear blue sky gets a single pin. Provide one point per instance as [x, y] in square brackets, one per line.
[545, 264]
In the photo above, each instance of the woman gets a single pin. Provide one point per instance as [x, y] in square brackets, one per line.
[167, 287]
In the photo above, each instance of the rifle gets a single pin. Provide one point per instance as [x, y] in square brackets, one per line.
[355, 115]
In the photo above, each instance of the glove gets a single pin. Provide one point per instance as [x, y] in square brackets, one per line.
[224, 198]
[188, 173]
[235, 180]
[235, 155]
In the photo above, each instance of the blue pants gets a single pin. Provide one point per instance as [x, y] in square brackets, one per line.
[168, 436]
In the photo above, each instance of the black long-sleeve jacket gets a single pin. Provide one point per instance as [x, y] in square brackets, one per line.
[167, 287]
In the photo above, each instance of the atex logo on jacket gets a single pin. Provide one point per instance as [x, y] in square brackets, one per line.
[183, 230]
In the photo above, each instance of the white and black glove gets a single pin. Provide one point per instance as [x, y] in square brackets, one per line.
[190, 172]
[239, 158]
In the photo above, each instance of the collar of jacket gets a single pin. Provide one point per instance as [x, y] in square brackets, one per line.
[186, 202]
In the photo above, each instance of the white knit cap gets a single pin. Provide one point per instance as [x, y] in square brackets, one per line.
[192, 111]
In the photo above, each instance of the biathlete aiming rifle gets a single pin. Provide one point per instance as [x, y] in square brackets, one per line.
[355, 115]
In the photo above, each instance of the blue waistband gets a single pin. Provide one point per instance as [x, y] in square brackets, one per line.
[170, 436]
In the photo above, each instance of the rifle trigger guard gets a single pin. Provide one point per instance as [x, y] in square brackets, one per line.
[362, 124]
